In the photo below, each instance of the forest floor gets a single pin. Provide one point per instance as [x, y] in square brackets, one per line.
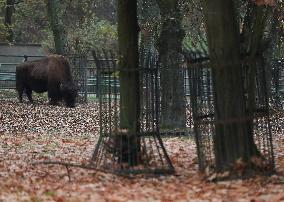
[30, 133]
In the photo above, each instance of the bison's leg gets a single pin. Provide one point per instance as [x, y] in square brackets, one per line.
[20, 88]
[29, 94]
[54, 95]
[20, 94]
[53, 101]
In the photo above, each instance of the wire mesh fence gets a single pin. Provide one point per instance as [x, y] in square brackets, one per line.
[263, 121]
[277, 83]
[119, 150]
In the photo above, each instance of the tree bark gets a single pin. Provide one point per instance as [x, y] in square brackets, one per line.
[232, 138]
[9, 10]
[55, 14]
[129, 74]
[173, 110]
[253, 48]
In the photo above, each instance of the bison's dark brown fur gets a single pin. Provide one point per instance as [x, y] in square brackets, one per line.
[51, 74]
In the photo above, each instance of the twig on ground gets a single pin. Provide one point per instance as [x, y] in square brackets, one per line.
[68, 173]
[67, 165]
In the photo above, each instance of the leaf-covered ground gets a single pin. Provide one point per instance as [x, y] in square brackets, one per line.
[30, 133]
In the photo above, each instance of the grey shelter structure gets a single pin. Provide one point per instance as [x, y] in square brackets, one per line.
[13, 54]
[17, 51]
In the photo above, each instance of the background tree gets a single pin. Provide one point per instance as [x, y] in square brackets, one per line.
[173, 114]
[106, 10]
[55, 10]
[276, 34]
[149, 20]
[9, 10]
[193, 23]
[3, 32]
[95, 25]
[31, 23]
[84, 29]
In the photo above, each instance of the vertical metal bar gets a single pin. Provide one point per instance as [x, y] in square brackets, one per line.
[84, 64]
[96, 151]
[171, 167]
[268, 120]
[98, 67]
[194, 80]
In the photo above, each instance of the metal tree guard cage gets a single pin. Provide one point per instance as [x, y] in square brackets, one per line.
[201, 100]
[277, 83]
[203, 110]
[117, 151]
[79, 72]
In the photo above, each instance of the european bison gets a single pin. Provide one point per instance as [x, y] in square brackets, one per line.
[51, 74]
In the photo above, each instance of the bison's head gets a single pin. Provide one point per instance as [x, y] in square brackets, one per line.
[69, 91]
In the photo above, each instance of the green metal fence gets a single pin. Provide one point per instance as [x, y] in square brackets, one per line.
[84, 72]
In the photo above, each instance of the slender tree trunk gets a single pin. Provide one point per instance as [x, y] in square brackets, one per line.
[273, 52]
[274, 37]
[253, 49]
[173, 112]
[9, 10]
[255, 52]
[55, 14]
[129, 76]
[232, 139]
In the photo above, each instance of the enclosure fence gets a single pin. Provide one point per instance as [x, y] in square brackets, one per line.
[98, 79]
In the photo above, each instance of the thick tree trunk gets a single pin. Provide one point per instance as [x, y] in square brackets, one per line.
[55, 14]
[233, 137]
[173, 112]
[9, 10]
[129, 76]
